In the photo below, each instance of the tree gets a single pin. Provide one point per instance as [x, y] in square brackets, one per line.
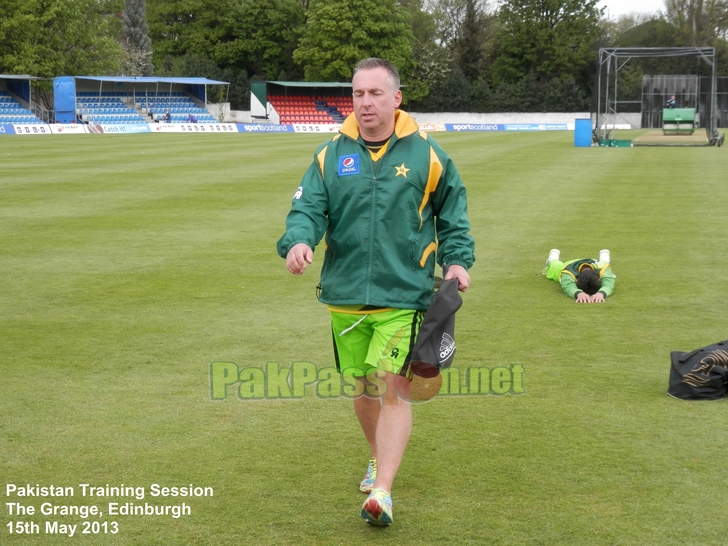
[613, 28]
[651, 33]
[700, 21]
[49, 38]
[466, 31]
[547, 38]
[340, 33]
[243, 39]
[187, 27]
[656, 32]
[451, 93]
[238, 94]
[136, 43]
[430, 58]
[261, 36]
[469, 47]
[257, 36]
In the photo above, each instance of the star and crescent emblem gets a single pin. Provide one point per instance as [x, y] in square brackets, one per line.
[401, 171]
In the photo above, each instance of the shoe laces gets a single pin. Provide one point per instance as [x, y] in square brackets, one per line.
[371, 470]
[382, 496]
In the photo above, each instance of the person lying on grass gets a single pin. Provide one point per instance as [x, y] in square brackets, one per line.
[585, 280]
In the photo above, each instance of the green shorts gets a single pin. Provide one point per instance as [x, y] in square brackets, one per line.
[380, 340]
[553, 270]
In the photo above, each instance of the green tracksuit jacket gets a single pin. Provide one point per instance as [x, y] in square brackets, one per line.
[385, 222]
[570, 271]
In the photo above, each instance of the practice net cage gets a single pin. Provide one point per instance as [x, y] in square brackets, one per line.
[687, 73]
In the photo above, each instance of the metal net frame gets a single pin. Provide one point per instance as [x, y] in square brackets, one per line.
[612, 60]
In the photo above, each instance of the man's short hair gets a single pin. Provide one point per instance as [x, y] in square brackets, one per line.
[588, 281]
[375, 62]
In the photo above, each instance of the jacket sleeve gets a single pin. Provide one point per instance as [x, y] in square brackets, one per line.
[455, 243]
[568, 285]
[308, 218]
[607, 282]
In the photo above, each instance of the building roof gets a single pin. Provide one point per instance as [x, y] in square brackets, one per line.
[152, 79]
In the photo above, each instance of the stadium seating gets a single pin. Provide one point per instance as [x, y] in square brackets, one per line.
[179, 105]
[107, 108]
[11, 111]
[118, 107]
[314, 110]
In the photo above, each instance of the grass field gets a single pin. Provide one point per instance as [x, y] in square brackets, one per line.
[130, 263]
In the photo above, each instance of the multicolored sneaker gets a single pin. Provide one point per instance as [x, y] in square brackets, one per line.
[377, 509]
[366, 484]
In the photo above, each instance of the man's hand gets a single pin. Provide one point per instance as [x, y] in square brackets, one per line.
[583, 297]
[461, 274]
[298, 258]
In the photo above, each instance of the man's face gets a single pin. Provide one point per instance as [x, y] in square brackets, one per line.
[374, 103]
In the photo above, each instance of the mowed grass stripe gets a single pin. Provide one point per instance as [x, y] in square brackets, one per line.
[129, 263]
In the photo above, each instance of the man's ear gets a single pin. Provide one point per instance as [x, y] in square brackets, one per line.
[397, 98]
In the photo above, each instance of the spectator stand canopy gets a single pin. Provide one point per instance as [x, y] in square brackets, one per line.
[143, 85]
[21, 87]
[260, 106]
[133, 87]
[612, 60]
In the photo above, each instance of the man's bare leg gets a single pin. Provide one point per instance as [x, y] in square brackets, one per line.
[392, 436]
[387, 425]
[367, 411]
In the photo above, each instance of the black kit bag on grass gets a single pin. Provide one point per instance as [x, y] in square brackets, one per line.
[700, 375]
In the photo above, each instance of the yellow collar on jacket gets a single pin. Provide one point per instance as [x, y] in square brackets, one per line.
[404, 125]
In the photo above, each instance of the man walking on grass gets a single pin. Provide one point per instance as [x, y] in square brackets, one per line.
[390, 204]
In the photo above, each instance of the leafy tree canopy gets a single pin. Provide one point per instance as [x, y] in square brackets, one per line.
[338, 34]
[186, 27]
[261, 38]
[547, 38]
[49, 38]
[137, 46]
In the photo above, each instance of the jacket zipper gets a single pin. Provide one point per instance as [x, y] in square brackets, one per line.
[372, 210]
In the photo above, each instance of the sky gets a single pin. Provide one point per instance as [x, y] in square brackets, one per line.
[615, 8]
